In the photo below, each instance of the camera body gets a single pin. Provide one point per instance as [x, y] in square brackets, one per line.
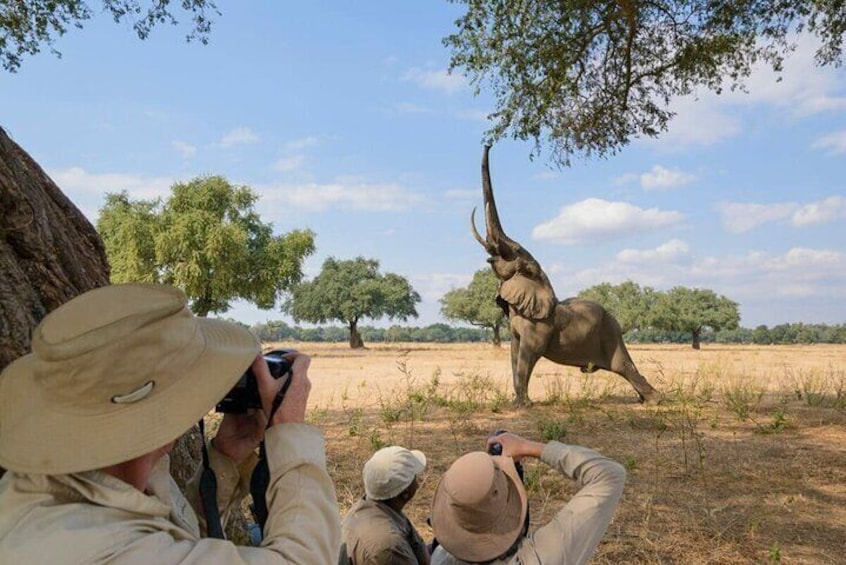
[245, 396]
[495, 449]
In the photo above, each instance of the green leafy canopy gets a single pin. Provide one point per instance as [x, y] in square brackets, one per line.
[27, 25]
[349, 290]
[588, 76]
[207, 239]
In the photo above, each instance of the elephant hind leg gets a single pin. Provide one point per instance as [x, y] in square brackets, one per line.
[623, 365]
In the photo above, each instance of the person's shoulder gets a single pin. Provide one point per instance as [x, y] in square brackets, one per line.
[373, 518]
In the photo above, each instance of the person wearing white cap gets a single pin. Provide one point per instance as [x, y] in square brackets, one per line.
[86, 420]
[480, 508]
[375, 531]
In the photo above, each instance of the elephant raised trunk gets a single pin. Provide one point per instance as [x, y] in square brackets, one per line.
[574, 332]
[496, 242]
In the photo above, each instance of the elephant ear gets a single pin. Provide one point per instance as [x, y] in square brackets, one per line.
[531, 298]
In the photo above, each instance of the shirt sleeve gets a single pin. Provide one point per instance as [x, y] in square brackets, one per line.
[574, 533]
[303, 524]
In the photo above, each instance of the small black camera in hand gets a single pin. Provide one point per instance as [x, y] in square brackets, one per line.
[495, 449]
[245, 395]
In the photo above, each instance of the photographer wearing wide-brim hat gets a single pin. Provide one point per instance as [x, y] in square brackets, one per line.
[479, 509]
[376, 531]
[115, 376]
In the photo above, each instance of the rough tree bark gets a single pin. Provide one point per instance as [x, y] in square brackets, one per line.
[49, 253]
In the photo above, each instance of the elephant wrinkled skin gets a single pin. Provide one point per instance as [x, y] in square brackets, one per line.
[575, 332]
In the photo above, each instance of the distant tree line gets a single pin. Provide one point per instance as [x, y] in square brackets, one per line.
[782, 334]
[274, 331]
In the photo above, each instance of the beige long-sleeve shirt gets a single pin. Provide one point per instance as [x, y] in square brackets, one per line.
[572, 536]
[92, 517]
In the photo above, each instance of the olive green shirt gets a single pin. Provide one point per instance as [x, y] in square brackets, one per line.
[373, 533]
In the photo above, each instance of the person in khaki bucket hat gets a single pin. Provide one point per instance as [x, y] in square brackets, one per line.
[480, 507]
[87, 418]
[375, 531]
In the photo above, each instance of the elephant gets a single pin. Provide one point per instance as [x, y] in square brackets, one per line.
[574, 332]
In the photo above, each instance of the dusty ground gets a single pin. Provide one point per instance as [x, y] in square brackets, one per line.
[744, 461]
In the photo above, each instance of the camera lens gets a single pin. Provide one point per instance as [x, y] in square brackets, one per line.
[496, 448]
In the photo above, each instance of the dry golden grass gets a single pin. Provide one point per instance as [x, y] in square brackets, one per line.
[743, 462]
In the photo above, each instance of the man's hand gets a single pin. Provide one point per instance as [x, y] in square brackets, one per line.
[293, 408]
[515, 446]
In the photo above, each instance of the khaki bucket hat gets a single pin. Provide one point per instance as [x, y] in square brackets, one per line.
[113, 374]
[479, 507]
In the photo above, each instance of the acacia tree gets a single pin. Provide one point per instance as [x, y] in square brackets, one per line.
[26, 26]
[590, 76]
[349, 290]
[476, 304]
[207, 239]
[627, 302]
[692, 310]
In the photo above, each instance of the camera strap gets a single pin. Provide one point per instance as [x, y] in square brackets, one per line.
[260, 479]
[208, 492]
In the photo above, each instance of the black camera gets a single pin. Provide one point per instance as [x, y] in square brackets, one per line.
[496, 449]
[245, 394]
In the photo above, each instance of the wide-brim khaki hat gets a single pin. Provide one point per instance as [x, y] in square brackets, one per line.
[479, 507]
[115, 373]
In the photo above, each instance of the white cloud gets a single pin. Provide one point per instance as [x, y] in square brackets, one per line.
[78, 180]
[821, 212]
[661, 177]
[238, 136]
[741, 217]
[289, 163]
[88, 190]
[378, 197]
[441, 80]
[754, 279]
[805, 88]
[302, 143]
[835, 143]
[593, 220]
[698, 122]
[432, 287]
[667, 252]
[706, 118]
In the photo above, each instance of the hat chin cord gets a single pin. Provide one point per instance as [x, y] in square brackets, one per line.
[259, 480]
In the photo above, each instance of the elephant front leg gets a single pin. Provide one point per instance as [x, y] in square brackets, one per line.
[522, 371]
[521, 394]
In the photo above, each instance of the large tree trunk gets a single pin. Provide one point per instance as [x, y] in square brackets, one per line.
[696, 334]
[49, 253]
[355, 338]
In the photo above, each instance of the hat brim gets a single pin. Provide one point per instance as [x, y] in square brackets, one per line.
[36, 436]
[482, 546]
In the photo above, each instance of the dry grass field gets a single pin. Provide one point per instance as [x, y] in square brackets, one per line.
[743, 462]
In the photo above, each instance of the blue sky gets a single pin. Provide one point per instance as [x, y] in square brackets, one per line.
[343, 118]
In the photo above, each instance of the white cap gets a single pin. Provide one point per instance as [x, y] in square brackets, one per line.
[390, 470]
